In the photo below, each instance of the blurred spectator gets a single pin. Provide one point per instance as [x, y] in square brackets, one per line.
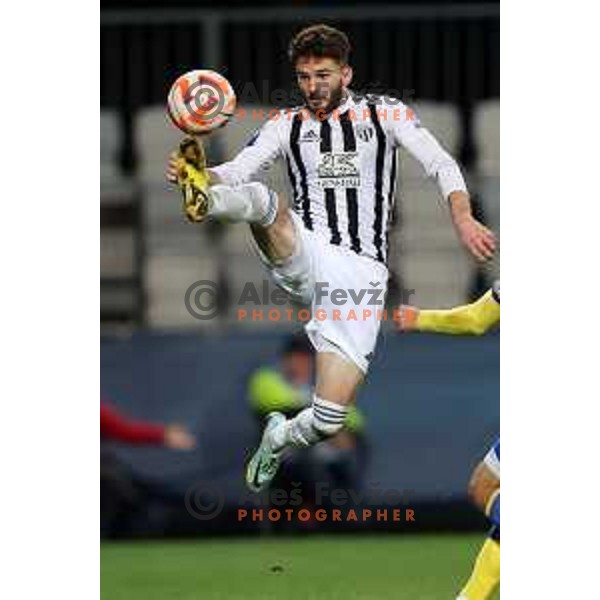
[287, 387]
[114, 426]
[121, 496]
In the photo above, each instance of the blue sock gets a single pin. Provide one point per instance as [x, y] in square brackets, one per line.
[493, 510]
[494, 533]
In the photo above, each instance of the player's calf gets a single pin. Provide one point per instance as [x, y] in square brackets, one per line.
[282, 251]
[337, 380]
[279, 240]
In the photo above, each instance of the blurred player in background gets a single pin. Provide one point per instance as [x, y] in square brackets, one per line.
[484, 487]
[340, 151]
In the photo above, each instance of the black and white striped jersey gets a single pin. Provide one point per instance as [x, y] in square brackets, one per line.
[342, 167]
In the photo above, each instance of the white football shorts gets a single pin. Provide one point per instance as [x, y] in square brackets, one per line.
[348, 297]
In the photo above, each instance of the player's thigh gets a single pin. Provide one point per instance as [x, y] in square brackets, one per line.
[484, 482]
[337, 378]
[278, 240]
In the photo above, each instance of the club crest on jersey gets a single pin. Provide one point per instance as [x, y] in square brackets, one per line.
[364, 133]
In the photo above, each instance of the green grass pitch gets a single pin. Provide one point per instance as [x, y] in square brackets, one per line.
[415, 567]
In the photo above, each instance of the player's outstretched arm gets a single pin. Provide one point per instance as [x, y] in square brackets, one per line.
[444, 170]
[471, 319]
[115, 426]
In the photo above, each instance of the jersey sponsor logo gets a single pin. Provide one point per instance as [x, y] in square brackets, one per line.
[338, 170]
[338, 183]
[341, 164]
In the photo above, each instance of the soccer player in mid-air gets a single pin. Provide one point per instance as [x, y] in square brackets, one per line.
[340, 151]
[484, 487]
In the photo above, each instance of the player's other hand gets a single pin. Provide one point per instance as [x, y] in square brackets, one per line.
[405, 317]
[178, 437]
[477, 238]
[172, 167]
[191, 151]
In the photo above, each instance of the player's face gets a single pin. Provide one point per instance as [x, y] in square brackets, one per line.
[322, 81]
[298, 367]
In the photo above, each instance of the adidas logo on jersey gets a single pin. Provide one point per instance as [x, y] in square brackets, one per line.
[310, 136]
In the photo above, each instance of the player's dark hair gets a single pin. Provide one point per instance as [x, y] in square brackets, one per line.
[297, 343]
[320, 41]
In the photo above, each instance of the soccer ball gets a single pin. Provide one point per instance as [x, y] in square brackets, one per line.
[200, 101]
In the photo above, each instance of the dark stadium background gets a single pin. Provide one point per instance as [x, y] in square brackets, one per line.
[432, 403]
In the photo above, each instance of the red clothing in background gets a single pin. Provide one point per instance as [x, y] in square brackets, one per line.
[115, 426]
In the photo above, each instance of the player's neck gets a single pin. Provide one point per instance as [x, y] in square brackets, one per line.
[343, 99]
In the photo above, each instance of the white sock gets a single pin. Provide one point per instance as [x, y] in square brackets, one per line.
[250, 203]
[321, 420]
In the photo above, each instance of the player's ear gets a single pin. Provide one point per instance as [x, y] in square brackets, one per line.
[346, 75]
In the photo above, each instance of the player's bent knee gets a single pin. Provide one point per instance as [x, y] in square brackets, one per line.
[472, 489]
[481, 485]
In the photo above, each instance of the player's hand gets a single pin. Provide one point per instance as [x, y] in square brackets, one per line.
[172, 167]
[190, 151]
[477, 238]
[405, 317]
[178, 437]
